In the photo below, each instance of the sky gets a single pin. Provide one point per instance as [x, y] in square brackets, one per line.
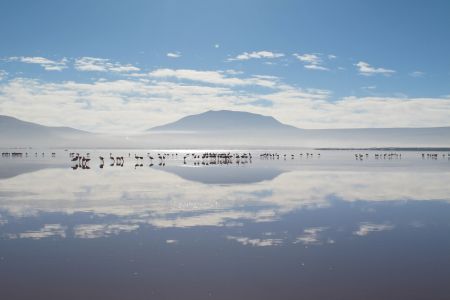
[126, 66]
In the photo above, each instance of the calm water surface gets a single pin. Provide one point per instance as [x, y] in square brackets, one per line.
[328, 227]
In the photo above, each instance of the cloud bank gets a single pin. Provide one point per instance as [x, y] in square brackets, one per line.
[129, 100]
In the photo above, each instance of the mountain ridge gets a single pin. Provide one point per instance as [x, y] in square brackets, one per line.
[224, 120]
[218, 129]
[18, 133]
[13, 123]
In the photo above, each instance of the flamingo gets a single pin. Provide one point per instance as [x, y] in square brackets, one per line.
[102, 162]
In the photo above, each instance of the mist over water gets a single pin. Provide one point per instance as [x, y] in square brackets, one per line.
[283, 228]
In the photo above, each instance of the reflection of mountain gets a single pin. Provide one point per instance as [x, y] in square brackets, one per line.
[9, 170]
[224, 175]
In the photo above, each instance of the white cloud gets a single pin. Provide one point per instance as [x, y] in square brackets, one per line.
[367, 70]
[3, 74]
[417, 74]
[366, 228]
[309, 58]
[316, 67]
[174, 54]
[257, 55]
[211, 77]
[311, 61]
[134, 104]
[47, 64]
[369, 87]
[95, 64]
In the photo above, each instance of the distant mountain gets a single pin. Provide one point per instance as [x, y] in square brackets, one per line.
[12, 126]
[220, 129]
[225, 120]
[18, 133]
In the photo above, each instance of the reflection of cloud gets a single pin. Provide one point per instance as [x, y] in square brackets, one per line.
[366, 228]
[49, 230]
[92, 231]
[214, 219]
[166, 200]
[255, 242]
[417, 224]
[3, 221]
[310, 236]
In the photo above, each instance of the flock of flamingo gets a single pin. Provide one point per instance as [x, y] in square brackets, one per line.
[26, 154]
[206, 158]
[394, 155]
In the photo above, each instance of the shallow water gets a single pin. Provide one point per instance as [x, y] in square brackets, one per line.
[328, 227]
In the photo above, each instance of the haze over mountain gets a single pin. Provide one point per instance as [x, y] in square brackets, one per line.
[221, 129]
[14, 127]
[225, 120]
[18, 133]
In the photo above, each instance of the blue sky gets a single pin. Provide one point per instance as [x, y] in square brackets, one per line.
[129, 65]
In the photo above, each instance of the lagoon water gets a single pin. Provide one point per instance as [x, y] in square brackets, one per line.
[328, 227]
